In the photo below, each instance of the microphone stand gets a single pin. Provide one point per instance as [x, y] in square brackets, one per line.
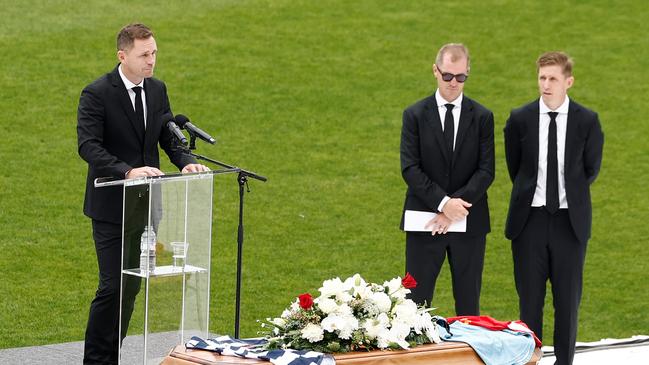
[242, 179]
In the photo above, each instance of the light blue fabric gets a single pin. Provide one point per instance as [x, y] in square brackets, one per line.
[494, 347]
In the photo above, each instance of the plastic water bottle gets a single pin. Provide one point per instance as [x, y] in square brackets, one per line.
[147, 249]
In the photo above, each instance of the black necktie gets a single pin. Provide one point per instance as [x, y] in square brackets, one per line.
[449, 127]
[552, 183]
[139, 109]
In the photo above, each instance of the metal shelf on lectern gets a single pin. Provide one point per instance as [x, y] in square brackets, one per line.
[168, 270]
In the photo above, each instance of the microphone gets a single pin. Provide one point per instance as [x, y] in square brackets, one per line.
[184, 123]
[173, 128]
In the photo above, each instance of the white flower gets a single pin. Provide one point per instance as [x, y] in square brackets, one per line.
[433, 335]
[362, 292]
[344, 310]
[382, 301]
[395, 289]
[344, 297]
[375, 326]
[383, 339]
[326, 305]
[370, 308]
[377, 287]
[280, 322]
[337, 289]
[406, 311]
[350, 325]
[393, 285]
[353, 281]
[423, 322]
[330, 306]
[383, 319]
[286, 313]
[398, 333]
[357, 286]
[295, 306]
[428, 325]
[343, 324]
[331, 287]
[312, 332]
[332, 323]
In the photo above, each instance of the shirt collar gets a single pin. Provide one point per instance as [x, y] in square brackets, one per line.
[127, 82]
[563, 109]
[441, 101]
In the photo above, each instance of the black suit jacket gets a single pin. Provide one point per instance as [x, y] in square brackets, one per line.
[112, 143]
[431, 173]
[583, 157]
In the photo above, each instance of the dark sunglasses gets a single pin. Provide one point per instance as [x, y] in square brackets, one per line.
[446, 76]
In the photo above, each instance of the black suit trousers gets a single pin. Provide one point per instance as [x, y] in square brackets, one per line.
[425, 255]
[102, 340]
[547, 248]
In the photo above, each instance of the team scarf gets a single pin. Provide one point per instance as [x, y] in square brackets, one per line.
[495, 325]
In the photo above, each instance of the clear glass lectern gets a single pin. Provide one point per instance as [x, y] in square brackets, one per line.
[166, 251]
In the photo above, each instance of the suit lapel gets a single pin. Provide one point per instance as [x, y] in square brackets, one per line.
[466, 118]
[151, 122]
[436, 124]
[125, 102]
[571, 130]
[533, 131]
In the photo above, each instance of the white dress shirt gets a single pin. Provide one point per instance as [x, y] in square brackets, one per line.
[541, 179]
[129, 87]
[457, 109]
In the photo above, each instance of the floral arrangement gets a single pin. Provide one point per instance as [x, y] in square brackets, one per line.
[353, 315]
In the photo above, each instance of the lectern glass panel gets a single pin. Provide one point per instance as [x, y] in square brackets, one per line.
[165, 265]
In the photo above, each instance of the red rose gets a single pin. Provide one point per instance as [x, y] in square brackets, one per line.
[408, 281]
[306, 301]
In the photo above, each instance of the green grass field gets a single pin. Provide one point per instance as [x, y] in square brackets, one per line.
[310, 94]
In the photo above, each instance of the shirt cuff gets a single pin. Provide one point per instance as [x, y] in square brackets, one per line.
[442, 203]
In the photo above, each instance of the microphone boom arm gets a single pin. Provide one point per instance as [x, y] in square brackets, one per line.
[219, 163]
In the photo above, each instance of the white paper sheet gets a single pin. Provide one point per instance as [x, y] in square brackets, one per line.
[415, 220]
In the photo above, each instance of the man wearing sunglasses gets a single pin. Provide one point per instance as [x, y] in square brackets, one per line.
[447, 162]
[553, 148]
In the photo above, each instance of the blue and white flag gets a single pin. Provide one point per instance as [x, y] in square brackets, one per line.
[252, 349]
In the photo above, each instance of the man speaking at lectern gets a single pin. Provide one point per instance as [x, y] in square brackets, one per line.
[119, 126]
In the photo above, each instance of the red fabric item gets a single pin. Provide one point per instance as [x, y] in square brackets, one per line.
[495, 325]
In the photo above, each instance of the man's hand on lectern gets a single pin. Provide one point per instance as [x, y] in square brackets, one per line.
[194, 167]
[143, 171]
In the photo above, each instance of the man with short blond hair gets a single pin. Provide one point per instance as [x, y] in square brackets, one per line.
[447, 162]
[560, 59]
[553, 148]
[120, 123]
[455, 51]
